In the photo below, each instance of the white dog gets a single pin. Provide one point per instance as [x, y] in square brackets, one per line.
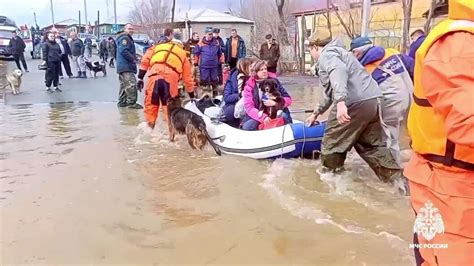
[14, 80]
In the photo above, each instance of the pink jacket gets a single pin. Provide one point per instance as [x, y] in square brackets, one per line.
[252, 103]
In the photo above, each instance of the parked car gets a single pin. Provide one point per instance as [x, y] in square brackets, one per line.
[6, 27]
[141, 44]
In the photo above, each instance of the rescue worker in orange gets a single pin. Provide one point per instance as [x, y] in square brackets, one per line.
[166, 64]
[441, 126]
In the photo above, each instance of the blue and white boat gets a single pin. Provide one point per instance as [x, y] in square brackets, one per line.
[289, 141]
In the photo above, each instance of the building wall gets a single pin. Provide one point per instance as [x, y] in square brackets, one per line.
[244, 30]
[385, 27]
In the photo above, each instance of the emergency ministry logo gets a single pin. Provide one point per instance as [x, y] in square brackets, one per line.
[428, 222]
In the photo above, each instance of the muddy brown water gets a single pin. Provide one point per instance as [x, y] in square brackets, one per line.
[87, 183]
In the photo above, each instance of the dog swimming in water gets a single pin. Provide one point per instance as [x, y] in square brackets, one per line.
[183, 121]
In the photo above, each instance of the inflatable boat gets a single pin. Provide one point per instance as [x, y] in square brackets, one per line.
[288, 141]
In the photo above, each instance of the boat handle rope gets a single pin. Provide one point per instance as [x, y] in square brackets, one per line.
[221, 138]
[304, 140]
[282, 141]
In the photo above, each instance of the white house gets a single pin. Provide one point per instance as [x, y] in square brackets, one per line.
[197, 20]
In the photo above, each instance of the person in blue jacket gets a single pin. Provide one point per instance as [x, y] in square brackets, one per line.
[233, 89]
[208, 56]
[234, 49]
[215, 33]
[393, 72]
[417, 37]
[127, 68]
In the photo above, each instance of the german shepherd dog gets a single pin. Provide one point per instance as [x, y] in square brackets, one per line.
[95, 67]
[269, 88]
[183, 121]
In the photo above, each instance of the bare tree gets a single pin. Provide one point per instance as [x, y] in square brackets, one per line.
[269, 19]
[407, 7]
[150, 16]
[282, 32]
[350, 22]
[427, 27]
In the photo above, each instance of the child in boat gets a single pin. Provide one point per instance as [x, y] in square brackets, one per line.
[234, 88]
[253, 117]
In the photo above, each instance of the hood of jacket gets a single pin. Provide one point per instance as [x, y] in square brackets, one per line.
[461, 9]
[373, 54]
[333, 45]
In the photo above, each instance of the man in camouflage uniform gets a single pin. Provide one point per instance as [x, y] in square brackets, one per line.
[127, 68]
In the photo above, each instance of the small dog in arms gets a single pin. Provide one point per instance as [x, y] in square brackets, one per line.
[14, 80]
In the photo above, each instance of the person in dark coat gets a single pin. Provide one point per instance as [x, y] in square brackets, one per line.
[127, 68]
[270, 52]
[17, 48]
[215, 33]
[65, 54]
[103, 50]
[234, 49]
[233, 89]
[417, 37]
[112, 49]
[208, 55]
[52, 58]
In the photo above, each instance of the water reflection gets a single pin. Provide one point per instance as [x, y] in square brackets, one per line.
[129, 117]
[101, 172]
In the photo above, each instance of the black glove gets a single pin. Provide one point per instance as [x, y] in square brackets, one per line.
[191, 95]
[141, 74]
[140, 85]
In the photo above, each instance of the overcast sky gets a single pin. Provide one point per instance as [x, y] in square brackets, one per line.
[22, 10]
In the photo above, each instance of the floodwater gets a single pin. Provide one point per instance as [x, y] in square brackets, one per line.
[88, 183]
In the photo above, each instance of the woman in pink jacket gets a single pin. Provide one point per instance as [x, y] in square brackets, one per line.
[252, 98]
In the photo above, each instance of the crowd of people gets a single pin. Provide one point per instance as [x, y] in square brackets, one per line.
[58, 53]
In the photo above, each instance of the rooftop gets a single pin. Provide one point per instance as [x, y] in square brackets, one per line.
[208, 15]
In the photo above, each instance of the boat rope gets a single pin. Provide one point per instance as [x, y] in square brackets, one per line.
[304, 140]
[283, 141]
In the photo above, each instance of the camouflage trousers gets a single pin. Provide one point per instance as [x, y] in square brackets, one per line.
[364, 133]
[128, 88]
[196, 75]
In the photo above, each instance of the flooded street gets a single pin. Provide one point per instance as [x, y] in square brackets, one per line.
[88, 183]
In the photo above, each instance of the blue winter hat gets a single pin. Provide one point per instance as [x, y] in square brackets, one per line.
[208, 30]
[359, 42]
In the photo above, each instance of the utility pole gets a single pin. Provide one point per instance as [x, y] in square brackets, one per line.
[52, 11]
[85, 12]
[365, 17]
[79, 30]
[172, 11]
[98, 22]
[115, 12]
